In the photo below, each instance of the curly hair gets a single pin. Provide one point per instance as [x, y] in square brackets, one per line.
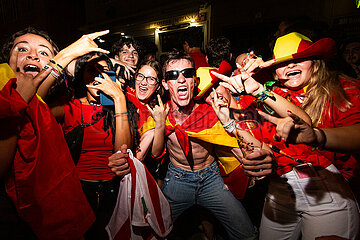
[118, 46]
[218, 50]
[8, 45]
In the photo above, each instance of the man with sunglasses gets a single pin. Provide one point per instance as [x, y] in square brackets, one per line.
[192, 131]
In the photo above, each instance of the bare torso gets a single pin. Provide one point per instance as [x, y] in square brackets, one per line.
[202, 152]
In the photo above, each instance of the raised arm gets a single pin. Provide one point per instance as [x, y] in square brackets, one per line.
[159, 114]
[113, 89]
[340, 139]
[244, 82]
[81, 47]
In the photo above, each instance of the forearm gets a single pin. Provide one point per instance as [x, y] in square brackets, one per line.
[63, 58]
[159, 141]
[122, 132]
[341, 139]
[281, 106]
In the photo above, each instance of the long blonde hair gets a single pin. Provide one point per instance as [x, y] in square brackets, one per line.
[324, 87]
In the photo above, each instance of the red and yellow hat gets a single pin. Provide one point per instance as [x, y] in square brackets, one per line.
[296, 46]
[207, 79]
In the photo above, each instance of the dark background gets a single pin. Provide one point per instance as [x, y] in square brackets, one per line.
[248, 24]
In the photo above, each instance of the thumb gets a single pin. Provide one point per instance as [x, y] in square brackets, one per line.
[167, 109]
[268, 117]
[123, 148]
[41, 76]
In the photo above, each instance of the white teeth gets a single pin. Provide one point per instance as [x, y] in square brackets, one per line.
[142, 88]
[31, 68]
[182, 89]
[293, 73]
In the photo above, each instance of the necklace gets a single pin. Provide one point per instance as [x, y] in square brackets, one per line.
[93, 103]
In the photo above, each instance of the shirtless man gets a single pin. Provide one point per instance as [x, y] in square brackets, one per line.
[193, 176]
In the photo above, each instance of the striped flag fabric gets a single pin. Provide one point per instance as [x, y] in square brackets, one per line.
[141, 211]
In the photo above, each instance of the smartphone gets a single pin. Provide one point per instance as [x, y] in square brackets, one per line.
[106, 100]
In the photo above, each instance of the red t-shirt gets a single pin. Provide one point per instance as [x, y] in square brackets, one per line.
[299, 151]
[348, 164]
[199, 59]
[97, 144]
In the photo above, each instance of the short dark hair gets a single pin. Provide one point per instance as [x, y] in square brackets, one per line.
[176, 54]
[8, 45]
[193, 36]
[218, 50]
[118, 46]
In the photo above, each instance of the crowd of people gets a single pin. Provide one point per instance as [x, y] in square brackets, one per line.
[268, 150]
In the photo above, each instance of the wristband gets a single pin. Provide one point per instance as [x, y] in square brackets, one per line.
[230, 126]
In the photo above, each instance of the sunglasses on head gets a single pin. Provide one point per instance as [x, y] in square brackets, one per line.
[174, 74]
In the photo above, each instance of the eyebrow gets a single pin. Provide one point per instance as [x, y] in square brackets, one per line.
[42, 45]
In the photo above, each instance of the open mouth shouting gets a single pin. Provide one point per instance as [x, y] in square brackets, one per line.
[182, 92]
[31, 69]
[293, 74]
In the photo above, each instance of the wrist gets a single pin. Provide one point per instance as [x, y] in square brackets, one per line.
[258, 90]
[320, 138]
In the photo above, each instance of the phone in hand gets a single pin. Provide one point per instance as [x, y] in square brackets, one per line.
[106, 100]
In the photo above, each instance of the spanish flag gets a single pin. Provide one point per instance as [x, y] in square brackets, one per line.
[43, 182]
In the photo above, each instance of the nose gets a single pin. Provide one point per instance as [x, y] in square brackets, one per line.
[33, 55]
[181, 78]
[291, 65]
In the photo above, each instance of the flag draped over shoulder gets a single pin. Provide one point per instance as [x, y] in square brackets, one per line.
[140, 206]
[204, 125]
[145, 121]
[43, 182]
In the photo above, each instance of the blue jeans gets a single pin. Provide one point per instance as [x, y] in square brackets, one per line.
[205, 187]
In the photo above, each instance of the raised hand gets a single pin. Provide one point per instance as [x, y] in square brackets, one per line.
[81, 47]
[27, 85]
[159, 112]
[252, 63]
[292, 129]
[128, 71]
[239, 83]
[221, 107]
[107, 86]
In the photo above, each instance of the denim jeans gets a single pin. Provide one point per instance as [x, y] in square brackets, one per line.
[205, 187]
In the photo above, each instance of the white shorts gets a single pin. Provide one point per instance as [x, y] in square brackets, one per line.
[320, 205]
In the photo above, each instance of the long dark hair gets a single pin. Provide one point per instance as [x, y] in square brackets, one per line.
[160, 89]
[80, 90]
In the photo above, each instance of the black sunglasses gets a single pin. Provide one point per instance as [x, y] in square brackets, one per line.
[174, 74]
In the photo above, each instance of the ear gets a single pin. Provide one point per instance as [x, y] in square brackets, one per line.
[196, 81]
[230, 56]
[117, 57]
[165, 85]
[207, 59]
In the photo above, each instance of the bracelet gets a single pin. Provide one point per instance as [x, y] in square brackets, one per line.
[121, 114]
[53, 72]
[230, 126]
[264, 94]
[58, 66]
[321, 145]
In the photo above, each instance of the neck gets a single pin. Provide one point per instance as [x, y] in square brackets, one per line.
[180, 113]
[194, 50]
